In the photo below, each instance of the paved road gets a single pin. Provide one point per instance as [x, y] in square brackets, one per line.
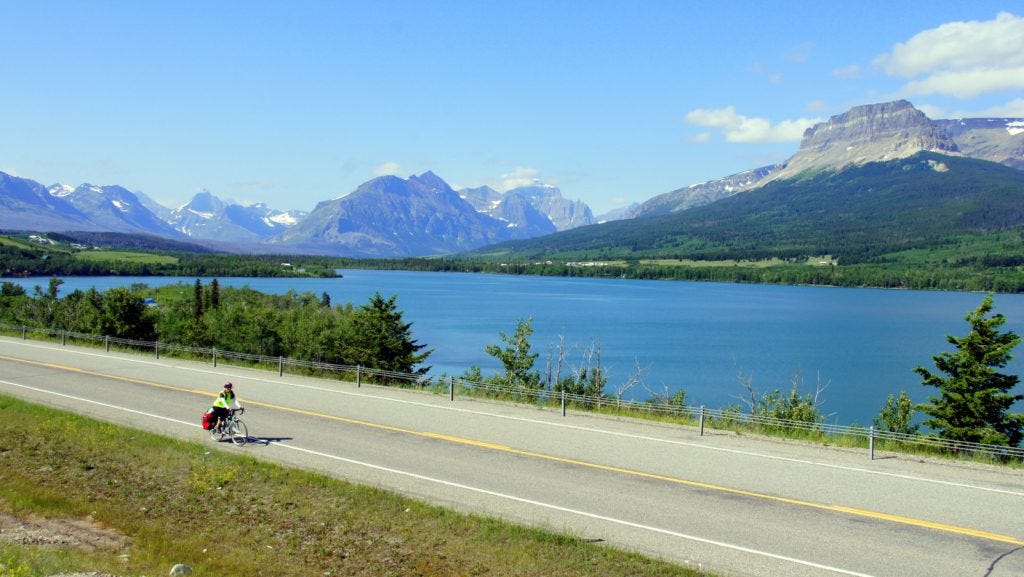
[736, 504]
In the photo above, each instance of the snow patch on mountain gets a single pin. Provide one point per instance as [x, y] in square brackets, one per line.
[61, 190]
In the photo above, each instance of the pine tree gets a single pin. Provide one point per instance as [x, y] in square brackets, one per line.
[383, 340]
[974, 399]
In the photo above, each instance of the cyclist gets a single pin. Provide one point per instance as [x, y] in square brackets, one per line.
[225, 403]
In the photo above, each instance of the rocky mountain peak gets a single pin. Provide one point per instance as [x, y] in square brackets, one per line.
[205, 202]
[868, 133]
[430, 181]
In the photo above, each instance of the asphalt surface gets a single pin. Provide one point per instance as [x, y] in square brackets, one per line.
[739, 505]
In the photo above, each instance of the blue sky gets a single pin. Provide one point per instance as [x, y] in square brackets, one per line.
[292, 103]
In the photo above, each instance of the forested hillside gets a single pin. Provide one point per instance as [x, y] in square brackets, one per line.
[863, 214]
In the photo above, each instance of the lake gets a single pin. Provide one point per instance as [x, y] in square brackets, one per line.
[859, 345]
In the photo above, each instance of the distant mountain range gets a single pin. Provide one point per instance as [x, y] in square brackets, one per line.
[385, 217]
[208, 217]
[422, 215]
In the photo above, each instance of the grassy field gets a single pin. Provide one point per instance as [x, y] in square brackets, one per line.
[226, 514]
[124, 256]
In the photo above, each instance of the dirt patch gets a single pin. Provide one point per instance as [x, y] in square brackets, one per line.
[83, 535]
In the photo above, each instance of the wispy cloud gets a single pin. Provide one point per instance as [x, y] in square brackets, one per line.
[387, 168]
[961, 59]
[1012, 109]
[846, 72]
[816, 106]
[738, 128]
[520, 176]
[800, 53]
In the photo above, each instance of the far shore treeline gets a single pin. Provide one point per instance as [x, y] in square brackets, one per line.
[992, 263]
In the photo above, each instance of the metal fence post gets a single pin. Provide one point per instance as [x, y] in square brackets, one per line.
[106, 342]
[563, 402]
[156, 347]
[451, 388]
[24, 332]
[63, 338]
[214, 357]
[280, 366]
[871, 443]
[359, 376]
[702, 420]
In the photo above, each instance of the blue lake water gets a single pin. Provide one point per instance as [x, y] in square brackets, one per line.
[859, 344]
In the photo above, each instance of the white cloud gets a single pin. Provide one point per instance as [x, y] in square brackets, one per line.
[9, 171]
[967, 84]
[1012, 109]
[520, 176]
[851, 71]
[961, 59]
[702, 137]
[816, 106]
[387, 168]
[738, 128]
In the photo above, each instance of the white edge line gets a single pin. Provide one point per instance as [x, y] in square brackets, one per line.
[482, 491]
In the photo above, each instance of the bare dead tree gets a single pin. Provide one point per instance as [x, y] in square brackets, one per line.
[635, 378]
[747, 382]
[563, 351]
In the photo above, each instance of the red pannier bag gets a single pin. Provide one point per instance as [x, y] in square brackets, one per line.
[207, 421]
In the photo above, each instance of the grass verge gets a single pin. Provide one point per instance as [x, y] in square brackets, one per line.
[224, 513]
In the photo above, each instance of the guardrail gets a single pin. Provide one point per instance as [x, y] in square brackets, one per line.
[701, 416]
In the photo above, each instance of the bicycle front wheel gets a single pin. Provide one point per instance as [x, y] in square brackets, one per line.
[239, 433]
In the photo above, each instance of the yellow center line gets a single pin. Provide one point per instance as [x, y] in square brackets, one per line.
[503, 448]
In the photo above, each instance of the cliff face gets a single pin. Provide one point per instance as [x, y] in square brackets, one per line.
[870, 133]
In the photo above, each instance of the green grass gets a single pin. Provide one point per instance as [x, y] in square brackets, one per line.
[125, 256]
[224, 513]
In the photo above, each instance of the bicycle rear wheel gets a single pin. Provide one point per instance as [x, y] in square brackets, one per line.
[216, 434]
[239, 433]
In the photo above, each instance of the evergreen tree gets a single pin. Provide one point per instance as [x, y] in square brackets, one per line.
[974, 399]
[214, 290]
[197, 300]
[382, 340]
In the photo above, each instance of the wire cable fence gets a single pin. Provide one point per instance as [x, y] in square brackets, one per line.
[729, 418]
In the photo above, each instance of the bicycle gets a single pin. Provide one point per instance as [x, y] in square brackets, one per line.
[232, 427]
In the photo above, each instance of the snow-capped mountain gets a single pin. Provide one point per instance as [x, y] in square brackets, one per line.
[27, 205]
[113, 209]
[390, 216]
[208, 217]
[545, 199]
